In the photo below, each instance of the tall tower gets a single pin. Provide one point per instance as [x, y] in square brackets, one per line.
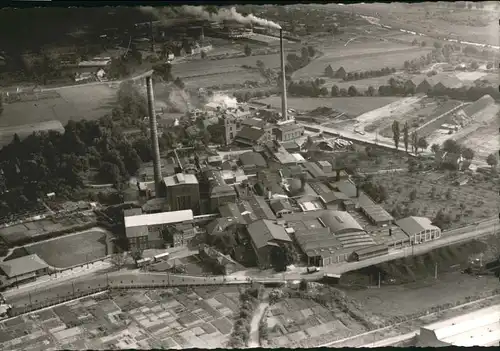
[284, 106]
[154, 136]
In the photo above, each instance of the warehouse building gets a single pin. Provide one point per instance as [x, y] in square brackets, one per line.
[327, 236]
[144, 231]
[375, 213]
[24, 268]
[419, 229]
[266, 235]
[479, 328]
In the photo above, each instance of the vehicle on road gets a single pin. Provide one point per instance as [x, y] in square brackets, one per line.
[313, 269]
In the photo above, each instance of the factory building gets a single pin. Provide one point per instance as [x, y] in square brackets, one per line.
[182, 192]
[220, 192]
[144, 231]
[288, 130]
[266, 236]
[419, 229]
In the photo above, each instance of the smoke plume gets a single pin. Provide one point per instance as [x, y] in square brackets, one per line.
[223, 101]
[223, 14]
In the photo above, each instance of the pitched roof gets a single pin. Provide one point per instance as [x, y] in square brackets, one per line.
[346, 187]
[22, 265]
[159, 218]
[252, 158]
[263, 231]
[252, 134]
[280, 205]
[414, 225]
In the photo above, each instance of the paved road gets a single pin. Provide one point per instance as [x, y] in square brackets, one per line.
[391, 341]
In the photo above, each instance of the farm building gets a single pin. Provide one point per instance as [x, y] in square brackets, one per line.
[375, 213]
[144, 230]
[419, 229]
[24, 268]
[478, 328]
[327, 236]
[266, 235]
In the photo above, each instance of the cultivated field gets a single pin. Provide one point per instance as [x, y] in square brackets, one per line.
[152, 319]
[479, 197]
[72, 249]
[210, 67]
[221, 79]
[74, 103]
[385, 56]
[349, 105]
[301, 322]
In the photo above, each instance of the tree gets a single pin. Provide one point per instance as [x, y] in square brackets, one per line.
[468, 153]
[489, 65]
[119, 259]
[136, 253]
[414, 42]
[335, 90]
[474, 65]
[414, 142]
[370, 91]
[422, 143]
[179, 83]
[323, 91]
[406, 135]
[492, 160]
[438, 45]
[435, 148]
[109, 173]
[396, 133]
[1, 104]
[248, 50]
[303, 285]
[423, 44]
[352, 91]
[442, 219]
[203, 54]
[304, 54]
[413, 195]
[451, 146]
[343, 92]
[311, 51]
[406, 65]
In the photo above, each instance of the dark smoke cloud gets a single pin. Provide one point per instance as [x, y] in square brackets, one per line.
[201, 13]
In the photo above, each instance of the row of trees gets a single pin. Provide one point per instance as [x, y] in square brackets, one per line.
[242, 327]
[464, 93]
[369, 74]
[412, 139]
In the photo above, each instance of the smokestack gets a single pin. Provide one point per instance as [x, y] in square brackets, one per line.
[154, 136]
[152, 36]
[284, 106]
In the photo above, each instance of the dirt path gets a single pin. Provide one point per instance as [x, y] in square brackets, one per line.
[254, 340]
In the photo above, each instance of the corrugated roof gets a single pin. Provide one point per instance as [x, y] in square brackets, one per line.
[159, 218]
[263, 231]
[22, 265]
[414, 225]
[339, 221]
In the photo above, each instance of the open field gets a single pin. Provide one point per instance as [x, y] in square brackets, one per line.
[72, 249]
[479, 197]
[350, 105]
[236, 77]
[74, 103]
[379, 58]
[208, 67]
[383, 116]
[361, 84]
[135, 319]
[440, 23]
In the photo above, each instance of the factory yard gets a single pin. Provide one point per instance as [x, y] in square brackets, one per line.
[153, 319]
[349, 105]
[478, 197]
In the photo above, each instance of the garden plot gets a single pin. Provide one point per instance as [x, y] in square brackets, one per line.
[305, 323]
[431, 196]
[384, 116]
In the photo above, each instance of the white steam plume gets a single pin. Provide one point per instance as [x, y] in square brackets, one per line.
[223, 101]
[224, 14]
